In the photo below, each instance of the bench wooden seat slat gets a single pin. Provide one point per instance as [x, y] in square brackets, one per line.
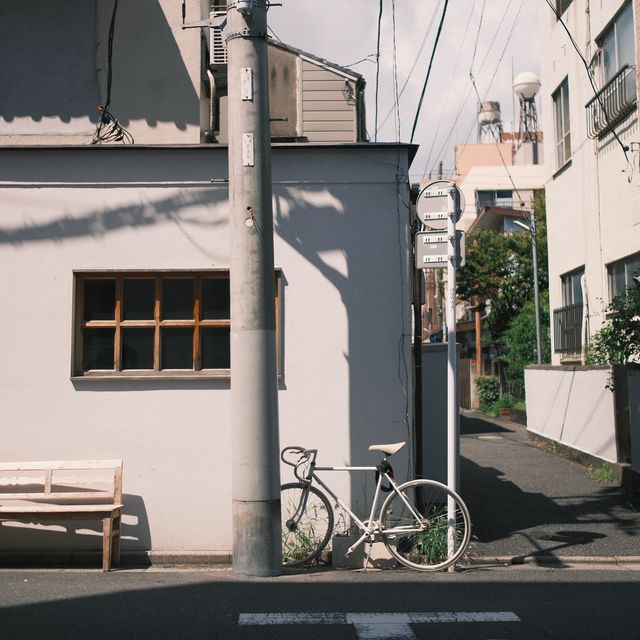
[62, 495]
[60, 465]
[102, 499]
[56, 480]
[59, 508]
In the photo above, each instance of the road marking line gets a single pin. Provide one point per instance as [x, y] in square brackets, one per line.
[377, 626]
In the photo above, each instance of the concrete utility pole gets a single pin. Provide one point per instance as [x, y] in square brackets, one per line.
[257, 540]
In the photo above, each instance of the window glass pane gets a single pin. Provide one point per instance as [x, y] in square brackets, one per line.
[633, 269]
[562, 5]
[566, 120]
[576, 287]
[138, 299]
[99, 299]
[215, 345]
[98, 349]
[616, 279]
[609, 55]
[215, 301]
[624, 37]
[177, 299]
[137, 348]
[177, 348]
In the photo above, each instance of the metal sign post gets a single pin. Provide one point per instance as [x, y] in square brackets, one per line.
[453, 437]
[439, 207]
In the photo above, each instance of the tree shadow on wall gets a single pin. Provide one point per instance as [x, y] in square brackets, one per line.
[53, 62]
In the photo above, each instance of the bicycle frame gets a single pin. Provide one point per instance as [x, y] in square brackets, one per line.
[373, 525]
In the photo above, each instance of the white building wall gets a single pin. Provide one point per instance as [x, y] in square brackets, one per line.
[527, 179]
[342, 243]
[593, 212]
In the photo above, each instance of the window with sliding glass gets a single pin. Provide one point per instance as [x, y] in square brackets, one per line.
[562, 123]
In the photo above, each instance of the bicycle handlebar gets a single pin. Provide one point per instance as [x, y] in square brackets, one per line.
[302, 457]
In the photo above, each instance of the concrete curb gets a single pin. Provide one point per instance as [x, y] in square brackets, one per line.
[558, 562]
[128, 559]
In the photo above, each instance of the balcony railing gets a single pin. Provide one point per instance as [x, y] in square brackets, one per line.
[567, 329]
[612, 103]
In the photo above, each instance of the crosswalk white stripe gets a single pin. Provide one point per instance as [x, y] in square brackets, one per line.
[260, 619]
[372, 618]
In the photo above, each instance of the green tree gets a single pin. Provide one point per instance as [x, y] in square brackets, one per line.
[518, 344]
[499, 272]
[618, 342]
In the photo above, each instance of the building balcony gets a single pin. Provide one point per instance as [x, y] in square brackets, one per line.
[567, 329]
[612, 103]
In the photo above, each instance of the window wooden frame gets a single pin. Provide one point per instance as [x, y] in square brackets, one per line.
[157, 323]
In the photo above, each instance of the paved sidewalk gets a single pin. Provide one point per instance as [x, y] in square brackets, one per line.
[530, 505]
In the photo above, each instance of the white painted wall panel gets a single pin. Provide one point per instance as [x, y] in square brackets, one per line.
[342, 246]
[574, 407]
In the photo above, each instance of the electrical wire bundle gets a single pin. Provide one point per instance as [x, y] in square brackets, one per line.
[108, 128]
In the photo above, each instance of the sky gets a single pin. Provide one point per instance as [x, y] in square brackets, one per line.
[491, 39]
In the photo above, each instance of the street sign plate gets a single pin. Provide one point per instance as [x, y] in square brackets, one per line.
[431, 249]
[433, 204]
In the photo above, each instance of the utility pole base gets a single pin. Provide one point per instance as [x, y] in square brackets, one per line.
[257, 545]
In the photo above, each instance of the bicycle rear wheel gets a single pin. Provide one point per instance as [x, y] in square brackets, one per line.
[432, 541]
[306, 526]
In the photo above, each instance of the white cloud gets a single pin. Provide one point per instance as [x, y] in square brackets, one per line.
[344, 31]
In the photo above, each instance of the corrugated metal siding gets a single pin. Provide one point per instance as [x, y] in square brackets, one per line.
[327, 114]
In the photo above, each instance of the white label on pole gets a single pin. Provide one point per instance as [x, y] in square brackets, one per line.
[441, 260]
[246, 83]
[248, 159]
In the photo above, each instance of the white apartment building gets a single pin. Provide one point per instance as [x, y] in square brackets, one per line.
[589, 107]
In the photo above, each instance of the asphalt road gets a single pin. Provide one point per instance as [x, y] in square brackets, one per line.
[487, 604]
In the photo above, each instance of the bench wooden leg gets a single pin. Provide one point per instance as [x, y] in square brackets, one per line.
[115, 551]
[107, 531]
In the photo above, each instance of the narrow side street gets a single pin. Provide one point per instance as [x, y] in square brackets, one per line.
[528, 504]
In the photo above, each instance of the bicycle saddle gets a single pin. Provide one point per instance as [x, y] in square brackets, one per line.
[388, 449]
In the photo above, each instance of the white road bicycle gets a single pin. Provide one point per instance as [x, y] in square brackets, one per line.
[424, 524]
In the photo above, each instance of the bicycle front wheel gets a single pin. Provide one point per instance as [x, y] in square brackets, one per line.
[307, 523]
[429, 525]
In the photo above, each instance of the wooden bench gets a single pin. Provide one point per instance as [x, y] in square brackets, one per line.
[38, 492]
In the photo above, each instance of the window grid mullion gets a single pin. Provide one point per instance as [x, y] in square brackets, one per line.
[117, 347]
[156, 319]
[197, 284]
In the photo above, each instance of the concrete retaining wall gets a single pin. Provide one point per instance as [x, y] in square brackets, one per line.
[574, 406]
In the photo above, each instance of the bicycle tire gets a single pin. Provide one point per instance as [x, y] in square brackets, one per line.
[427, 549]
[304, 540]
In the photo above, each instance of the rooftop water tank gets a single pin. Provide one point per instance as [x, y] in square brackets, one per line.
[489, 113]
[526, 85]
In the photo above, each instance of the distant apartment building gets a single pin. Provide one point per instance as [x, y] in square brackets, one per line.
[592, 176]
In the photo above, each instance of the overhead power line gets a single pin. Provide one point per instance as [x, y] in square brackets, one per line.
[415, 61]
[426, 80]
[375, 128]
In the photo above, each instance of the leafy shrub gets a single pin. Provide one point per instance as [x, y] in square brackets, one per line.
[506, 401]
[488, 390]
[518, 344]
[618, 342]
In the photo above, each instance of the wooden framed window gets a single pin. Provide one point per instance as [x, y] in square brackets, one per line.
[154, 324]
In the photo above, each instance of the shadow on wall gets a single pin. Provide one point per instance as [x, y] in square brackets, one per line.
[173, 208]
[53, 64]
[77, 535]
[340, 241]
